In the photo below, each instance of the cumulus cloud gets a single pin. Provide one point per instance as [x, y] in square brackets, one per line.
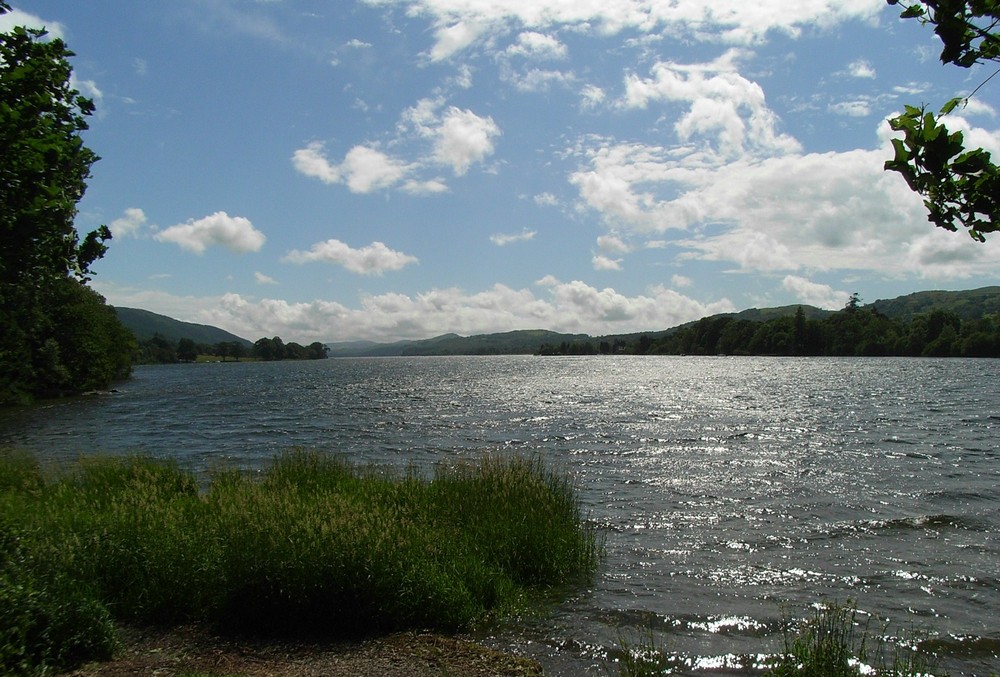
[236, 233]
[612, 244]
[459, 24]
[464, 138]
[861, 69]
[17, 17]
[533, 45]
[130, 223]
[725, 109]
[364, 169]
[603, 262]
[458, 138]
[261, 278]
[572, 307]
[375, 259]
[797, 212]
[813, 293]
[503, 239]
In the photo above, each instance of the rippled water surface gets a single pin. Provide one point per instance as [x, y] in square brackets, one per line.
[733, 491]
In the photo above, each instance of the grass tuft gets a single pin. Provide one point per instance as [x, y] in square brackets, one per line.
[314, 545]
[837, 642]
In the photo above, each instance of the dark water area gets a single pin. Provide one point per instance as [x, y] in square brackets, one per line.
[733, 492]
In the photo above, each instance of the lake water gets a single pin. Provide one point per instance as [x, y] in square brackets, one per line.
[734, 492]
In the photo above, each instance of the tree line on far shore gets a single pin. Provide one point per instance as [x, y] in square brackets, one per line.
[159, 350]
[854, 331]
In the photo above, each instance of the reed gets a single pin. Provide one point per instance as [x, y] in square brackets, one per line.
[313, 545]
[838, 641]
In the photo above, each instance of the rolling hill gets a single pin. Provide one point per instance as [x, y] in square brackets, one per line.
[970, 304]
[145, 325]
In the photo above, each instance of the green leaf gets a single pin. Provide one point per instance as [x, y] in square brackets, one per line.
[950, 106]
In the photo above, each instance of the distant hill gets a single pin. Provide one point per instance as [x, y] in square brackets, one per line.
[145, 324]
[969, 305]
[765, 314]
[521, 342]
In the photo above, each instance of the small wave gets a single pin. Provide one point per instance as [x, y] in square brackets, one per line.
[923, 522]
[963, 646]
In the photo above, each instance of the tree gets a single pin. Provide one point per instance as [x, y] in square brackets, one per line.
[45, 163]
[187, 351]
[961, 187]
[43, 261]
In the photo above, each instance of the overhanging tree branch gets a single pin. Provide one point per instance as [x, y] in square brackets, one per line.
[961, 188]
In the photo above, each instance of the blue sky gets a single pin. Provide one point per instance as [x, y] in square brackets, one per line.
[397, 169]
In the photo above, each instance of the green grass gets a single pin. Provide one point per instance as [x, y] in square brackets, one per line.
[312, 545]
[838, 642]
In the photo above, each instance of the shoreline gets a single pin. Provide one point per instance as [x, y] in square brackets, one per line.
[194, 651]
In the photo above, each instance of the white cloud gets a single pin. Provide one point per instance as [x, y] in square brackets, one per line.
[18, 17]
[602, 262]
[681, 281]
[363, 170]
[87, 88]
[375, 259]
[460, 23]
[612, 244]
[458, 139]
[814, 294]
[857, 108]
[726, 110]
[502, 239]
[357, 44]
[799, 212]
[368, 169]
[546, 199]
[456, 37]
[572, 307]
[976, 106]
[861, 69]
[536, 79]
[236, 233]
[428, 187]
[261, 278]
[464, 138]
[128, 224]
[532, 45]
[591, 97]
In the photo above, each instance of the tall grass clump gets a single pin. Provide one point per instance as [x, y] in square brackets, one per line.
[48, 620]
[837, 641]
[313, 544]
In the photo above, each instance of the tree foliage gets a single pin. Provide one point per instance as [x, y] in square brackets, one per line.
[855, 331]
[960, 187]
[55, 335]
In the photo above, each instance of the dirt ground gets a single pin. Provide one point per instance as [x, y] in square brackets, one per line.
[191, 652]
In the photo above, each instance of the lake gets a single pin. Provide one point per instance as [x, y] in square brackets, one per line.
[734, 492]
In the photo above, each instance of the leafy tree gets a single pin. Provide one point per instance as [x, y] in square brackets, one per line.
[45, 164]
[961, 187]
[187, 351]
[318, 351]
[44, 167]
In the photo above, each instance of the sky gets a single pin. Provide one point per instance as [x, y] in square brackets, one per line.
[334, 170]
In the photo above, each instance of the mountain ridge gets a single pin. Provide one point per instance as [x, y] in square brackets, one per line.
[968, 304]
